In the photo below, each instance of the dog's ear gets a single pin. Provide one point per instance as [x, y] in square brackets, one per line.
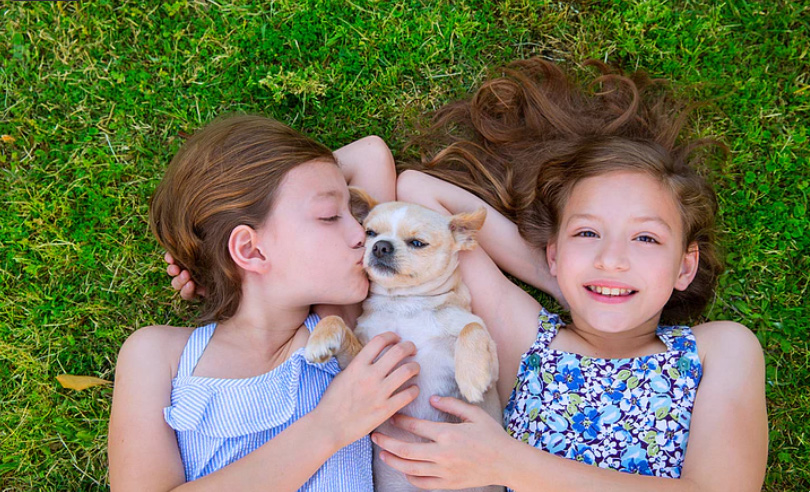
[464, 226]
[360, 203]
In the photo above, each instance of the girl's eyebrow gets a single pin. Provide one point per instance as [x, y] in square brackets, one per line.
[642, 219]
[652, 218]
[328, 194]
[584, 217]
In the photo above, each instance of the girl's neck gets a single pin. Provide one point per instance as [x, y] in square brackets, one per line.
[253, 342]
[584, 340]
[265, 328]
[263, 338]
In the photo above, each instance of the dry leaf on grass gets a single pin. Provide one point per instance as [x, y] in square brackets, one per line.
[80, 382]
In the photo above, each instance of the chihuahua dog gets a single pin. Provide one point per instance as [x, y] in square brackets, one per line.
[416, 292]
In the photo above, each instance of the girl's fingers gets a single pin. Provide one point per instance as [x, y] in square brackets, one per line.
[456, 407]
[422, 428]
[169, 259]
[179, 281]
[173, 270]
[374, 346]
[427, 483]
[414, 451]
[394, 355]
[187, 291]
[399, 400]
[176, 283]
[399, 376]
[408, 467]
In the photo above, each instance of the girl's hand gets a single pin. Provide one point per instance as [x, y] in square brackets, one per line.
[458, 455]
[181, 280]
[364, 395]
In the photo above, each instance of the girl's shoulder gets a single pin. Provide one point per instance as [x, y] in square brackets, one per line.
[726, 340]
[157, 346]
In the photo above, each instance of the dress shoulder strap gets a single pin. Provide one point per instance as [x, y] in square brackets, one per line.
[678, 338]
[548, 324]
[311, 321]
[194, 349]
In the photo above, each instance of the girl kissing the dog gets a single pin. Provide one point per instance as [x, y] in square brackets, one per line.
[258, 216]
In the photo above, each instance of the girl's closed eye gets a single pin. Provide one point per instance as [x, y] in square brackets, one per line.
[333, 218]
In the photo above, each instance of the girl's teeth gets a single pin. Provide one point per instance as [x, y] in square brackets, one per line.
[608, 291]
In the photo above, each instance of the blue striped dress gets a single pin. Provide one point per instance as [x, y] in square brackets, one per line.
[218, 421]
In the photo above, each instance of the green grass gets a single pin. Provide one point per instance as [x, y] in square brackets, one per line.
[96, 93]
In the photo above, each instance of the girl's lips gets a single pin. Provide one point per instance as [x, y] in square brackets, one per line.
[608, 299]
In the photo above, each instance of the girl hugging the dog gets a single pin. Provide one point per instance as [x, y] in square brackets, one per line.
[258, 216]
[592, 196]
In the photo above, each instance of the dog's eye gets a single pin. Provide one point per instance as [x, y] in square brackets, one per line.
[417, 243]
[370, 233]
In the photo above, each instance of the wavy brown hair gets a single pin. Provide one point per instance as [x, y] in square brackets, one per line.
[525, 138]
[226, 174]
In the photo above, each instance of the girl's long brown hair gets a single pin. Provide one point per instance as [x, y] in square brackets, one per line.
[526, 137]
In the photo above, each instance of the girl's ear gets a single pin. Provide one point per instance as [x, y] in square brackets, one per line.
[689, 267]
[244, 247]
[551, 257]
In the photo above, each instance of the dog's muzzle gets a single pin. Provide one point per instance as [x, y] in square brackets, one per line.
[382, 257]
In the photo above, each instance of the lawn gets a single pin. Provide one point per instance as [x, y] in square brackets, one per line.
[97, 96]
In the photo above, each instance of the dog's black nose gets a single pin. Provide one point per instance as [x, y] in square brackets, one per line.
[382, 248]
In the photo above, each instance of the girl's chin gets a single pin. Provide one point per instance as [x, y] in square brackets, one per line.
[359, 292]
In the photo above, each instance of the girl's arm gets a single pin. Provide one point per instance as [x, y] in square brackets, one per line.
[143, 449]
[509, 312]
[728, 437]
[366, 163]
[499, 237]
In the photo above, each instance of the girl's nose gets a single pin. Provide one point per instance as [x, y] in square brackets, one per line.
[356, 234]
[612, 256]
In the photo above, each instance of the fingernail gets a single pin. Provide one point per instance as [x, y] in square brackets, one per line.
[434, 399]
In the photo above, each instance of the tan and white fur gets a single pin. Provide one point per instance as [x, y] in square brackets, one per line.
[416, 292]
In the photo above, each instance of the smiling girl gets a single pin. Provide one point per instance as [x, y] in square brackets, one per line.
[608, 213]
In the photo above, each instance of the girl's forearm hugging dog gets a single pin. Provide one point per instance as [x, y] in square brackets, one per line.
[592, 195]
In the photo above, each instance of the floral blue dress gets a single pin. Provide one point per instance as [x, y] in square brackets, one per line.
[630, 415]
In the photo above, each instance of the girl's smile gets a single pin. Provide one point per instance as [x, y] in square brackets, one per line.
[610, 292]
[617, 265]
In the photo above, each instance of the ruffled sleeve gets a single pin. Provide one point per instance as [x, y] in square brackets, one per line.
[226, 408]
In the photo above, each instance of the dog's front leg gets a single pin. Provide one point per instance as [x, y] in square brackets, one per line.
[331, 337]
[476, 362]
